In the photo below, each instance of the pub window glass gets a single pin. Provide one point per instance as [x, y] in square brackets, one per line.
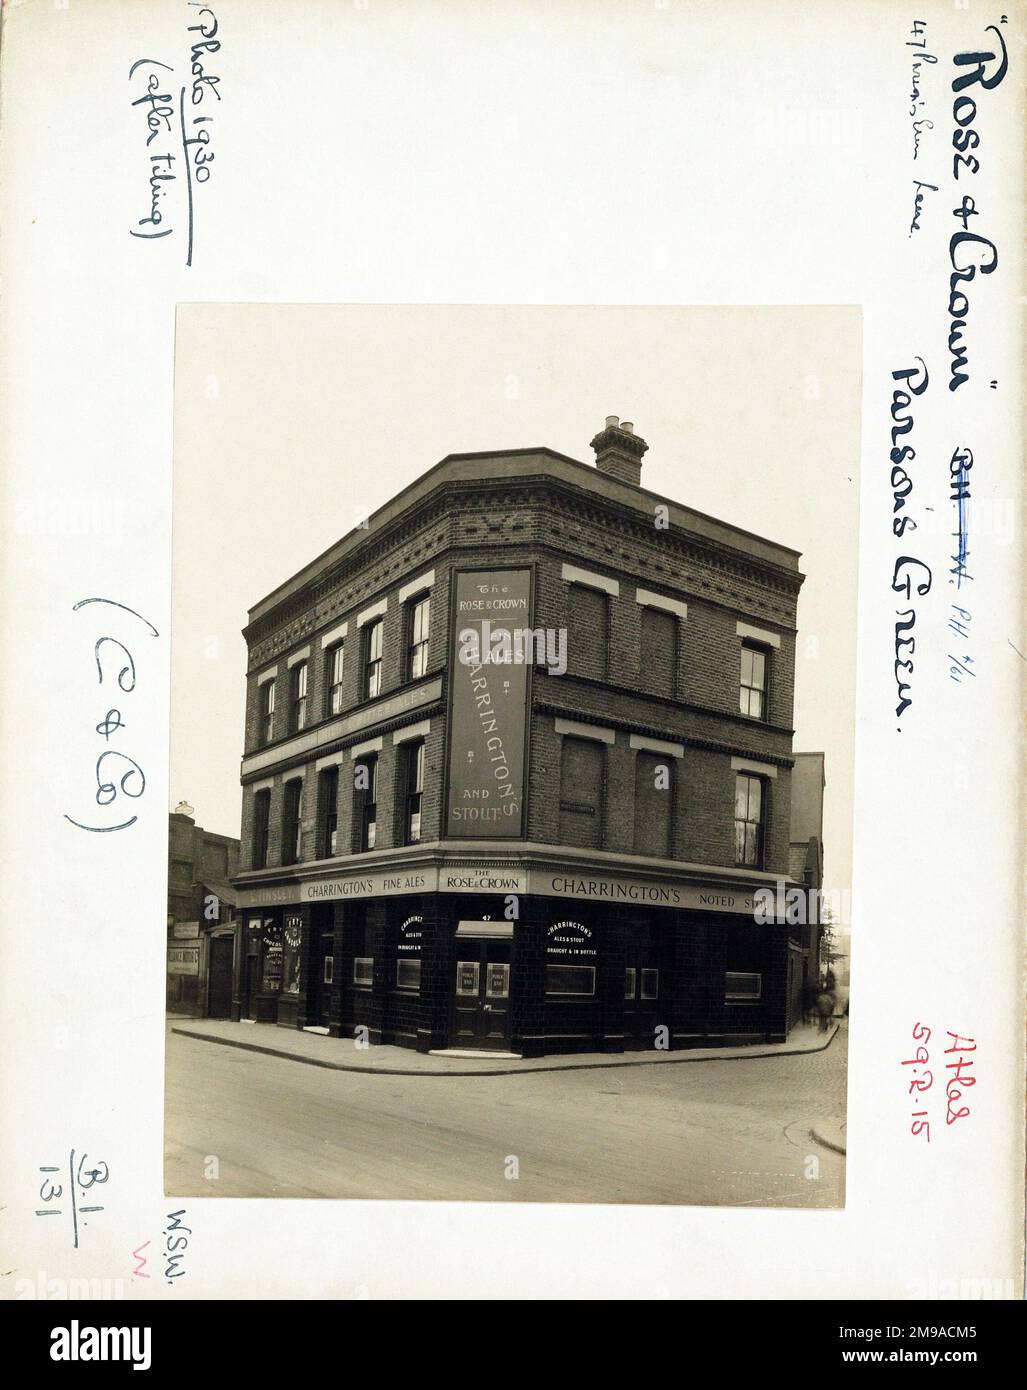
[629, 982]
[329, 812]
[420, 621]
[291, 824]
[334, 663]
[415, 788]
[373, 637]
[271, 975]
[261, 822]
[752, 696]
[749, 810]
[742, 985]
[408, 973]
[329, 968]
[467, 974]
[497, 980]
[291, 957]
[267, 711]
[367, 800]
[299, 696]
[571, 979]
[650, 984]
[363, 971]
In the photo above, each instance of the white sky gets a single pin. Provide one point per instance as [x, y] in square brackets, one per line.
[291, 418]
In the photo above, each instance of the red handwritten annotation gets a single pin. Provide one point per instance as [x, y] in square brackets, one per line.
[959, 1078]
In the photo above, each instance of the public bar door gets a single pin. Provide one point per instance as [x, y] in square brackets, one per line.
[481, 992]
[219, 998]
[319, 993]
[645, 985]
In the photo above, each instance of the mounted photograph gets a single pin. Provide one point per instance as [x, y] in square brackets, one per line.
[512, 730]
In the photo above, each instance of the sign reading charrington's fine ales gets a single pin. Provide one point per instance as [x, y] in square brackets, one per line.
[489, 663]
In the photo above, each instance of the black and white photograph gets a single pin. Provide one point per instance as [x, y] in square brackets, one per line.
[513, 741]
[515, 670]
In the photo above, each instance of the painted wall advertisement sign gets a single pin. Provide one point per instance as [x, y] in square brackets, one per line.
[183, 960]
[489, 704]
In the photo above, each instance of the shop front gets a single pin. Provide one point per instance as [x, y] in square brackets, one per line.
[529, 973]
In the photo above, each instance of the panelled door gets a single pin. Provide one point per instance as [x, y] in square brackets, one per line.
[645, 982]
[481, 998]
[219, 998]
[319, 991]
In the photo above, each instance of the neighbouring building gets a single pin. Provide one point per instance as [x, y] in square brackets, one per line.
[806, 866]
[201, 913]
[549, 855]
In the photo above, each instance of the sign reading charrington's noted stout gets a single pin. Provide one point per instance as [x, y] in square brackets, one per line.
[489, 705]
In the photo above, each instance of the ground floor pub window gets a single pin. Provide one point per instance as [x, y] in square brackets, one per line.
[742, 986]
[329, 968]
[292, 938]
[408, 973]
[571, 979]
[408, 954]
[271, 978]
[363, 971]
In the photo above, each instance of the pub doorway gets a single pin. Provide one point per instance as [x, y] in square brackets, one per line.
[481, 986]
[322, 968]
[219, 989]
[646, 979]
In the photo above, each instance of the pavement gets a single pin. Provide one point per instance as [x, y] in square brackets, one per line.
[343, 1054]
[733, 1131]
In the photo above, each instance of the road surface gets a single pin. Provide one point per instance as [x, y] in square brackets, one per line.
[724, 1133]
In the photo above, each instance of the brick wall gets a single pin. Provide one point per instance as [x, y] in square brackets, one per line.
[527, 525]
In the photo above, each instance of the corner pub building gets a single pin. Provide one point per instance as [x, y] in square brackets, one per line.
[546, 855]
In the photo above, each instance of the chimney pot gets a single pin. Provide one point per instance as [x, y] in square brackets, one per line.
[627, 426]
[612, 422]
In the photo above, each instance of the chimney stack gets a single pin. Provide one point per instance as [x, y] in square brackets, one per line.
[619, 451]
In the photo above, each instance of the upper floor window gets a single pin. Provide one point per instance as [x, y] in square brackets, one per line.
[298, 714]
[261, 824]
[291, 821]
[334, 661]
[750, 812]
[328, 813]
[581, 786]
[267, 711]
[420, 620]
[654, 801]
[658, 650]
[373, 636]
[752, 694]
[587, 634]
[414, 776]
[365, 781]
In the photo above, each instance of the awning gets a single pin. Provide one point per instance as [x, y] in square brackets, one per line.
[491, 929]
[222, 889]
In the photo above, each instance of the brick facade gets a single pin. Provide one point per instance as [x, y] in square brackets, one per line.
[654, 603]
